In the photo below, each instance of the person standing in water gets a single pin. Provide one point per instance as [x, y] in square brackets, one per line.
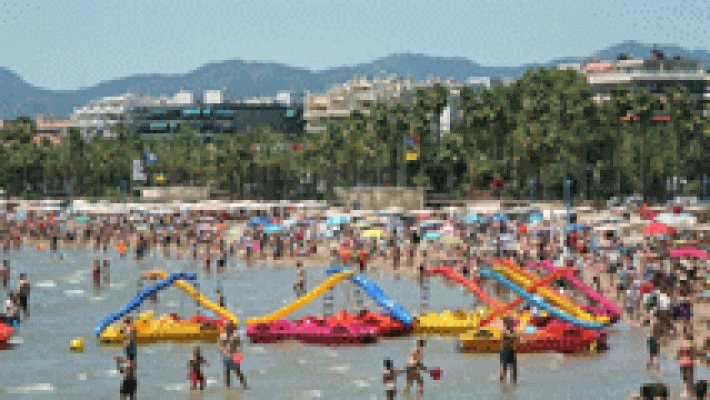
[131, 340]
[220, 298]
[96, 274]
[389, 379]
[24, 292]
[230, 346]
[508, 358]
[414, 366]
[106, 272]
[5, 271]
[194, 369]
[129, 385]
[300, 286]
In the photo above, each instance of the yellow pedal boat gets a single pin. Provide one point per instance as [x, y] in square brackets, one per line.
[166, 328]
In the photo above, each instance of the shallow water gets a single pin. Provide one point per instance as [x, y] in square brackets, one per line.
[64, 306]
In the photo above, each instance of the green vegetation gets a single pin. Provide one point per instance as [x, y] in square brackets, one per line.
[540, 128]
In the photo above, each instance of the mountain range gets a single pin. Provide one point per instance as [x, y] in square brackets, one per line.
[245, 79]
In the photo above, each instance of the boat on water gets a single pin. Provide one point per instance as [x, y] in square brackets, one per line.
[551, 336]
[385, 325]
[166, 328]
[312, 330]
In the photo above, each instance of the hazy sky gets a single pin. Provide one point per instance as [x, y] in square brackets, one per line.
[72, 44]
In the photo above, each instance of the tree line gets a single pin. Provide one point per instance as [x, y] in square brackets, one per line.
[539, 134]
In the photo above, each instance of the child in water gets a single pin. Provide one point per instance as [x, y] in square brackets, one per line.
[389, 379]
[194, 369]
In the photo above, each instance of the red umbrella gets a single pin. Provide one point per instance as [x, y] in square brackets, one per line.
[657, 229]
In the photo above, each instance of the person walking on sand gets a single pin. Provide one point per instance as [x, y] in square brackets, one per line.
[230, 346]
[194, 369]
[414, 366]
[686, 358]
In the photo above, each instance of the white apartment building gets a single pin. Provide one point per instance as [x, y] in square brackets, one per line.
[655, 74]
[100, 116]
[361, 93]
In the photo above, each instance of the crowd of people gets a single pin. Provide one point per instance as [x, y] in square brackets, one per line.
[657, 292]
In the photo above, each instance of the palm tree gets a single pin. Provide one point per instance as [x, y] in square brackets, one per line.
[683, 108]
[643, 108]
[401, 117]
[382, 133]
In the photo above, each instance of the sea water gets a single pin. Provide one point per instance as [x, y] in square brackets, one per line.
[65, 306]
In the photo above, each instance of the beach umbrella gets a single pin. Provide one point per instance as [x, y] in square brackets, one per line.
[576, 227]
[372, 233]
[432, 236]
[337, 220]
[81, 219]
[272, 228]
[657, 229]
[258, 221]
[451, 240]
[689, 252]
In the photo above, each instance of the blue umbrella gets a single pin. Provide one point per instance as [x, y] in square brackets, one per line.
[500, 217]
[337, 220]
[576, 227]
[535, 217]
[259, 221]
[272, 228]
[432, 235]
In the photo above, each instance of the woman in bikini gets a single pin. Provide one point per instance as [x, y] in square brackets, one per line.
[414, 365]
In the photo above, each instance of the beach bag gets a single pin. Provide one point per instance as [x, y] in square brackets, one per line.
[435, 373]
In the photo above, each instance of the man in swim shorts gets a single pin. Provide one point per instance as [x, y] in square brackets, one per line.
[230, 346]
[508, 357]
[414, 366]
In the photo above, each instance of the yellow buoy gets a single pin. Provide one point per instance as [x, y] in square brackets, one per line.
[77, 345]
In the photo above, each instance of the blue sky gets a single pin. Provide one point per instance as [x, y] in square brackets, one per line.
[73, 44]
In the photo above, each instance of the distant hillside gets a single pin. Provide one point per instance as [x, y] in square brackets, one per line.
[248, 79]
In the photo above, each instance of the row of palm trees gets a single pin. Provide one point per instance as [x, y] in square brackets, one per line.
[536, 134]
